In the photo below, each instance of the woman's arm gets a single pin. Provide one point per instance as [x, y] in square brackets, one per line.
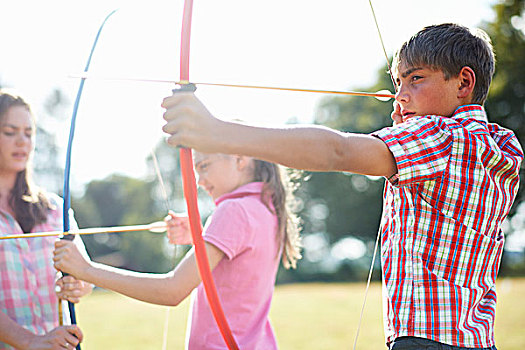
[19, 337]
[163, 289]
[72, 289]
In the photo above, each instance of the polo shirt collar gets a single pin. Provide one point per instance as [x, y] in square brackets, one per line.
[251, 188]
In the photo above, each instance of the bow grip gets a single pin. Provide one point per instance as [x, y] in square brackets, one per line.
[187, 87]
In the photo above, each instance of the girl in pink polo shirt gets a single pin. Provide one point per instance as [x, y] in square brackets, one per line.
[245, 238]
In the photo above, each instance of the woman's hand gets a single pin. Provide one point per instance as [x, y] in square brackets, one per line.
[64, 337]
[68, 259]
[178, 229]
[71, 289]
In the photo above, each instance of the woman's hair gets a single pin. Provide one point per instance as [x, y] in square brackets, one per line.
[28, 202]
[278, 188]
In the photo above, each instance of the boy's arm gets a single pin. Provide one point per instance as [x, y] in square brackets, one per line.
[312, 147]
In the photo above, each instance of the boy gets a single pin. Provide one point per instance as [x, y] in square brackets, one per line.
[452, 178]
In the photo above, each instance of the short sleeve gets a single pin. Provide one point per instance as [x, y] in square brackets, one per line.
[228, 229]
[421, 148]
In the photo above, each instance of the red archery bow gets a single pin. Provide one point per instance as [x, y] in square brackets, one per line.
[190, 193]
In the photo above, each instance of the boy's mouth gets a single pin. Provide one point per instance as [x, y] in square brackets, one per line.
[407, 114]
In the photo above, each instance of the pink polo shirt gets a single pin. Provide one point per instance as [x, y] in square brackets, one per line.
[246, 231]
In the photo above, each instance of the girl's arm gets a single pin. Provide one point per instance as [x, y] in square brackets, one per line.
[72, 289]
[163, 289]
[312, 147]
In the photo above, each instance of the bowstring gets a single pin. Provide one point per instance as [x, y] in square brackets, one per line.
[379, 230]
[177, 247]
[383, 46]
[168, 206]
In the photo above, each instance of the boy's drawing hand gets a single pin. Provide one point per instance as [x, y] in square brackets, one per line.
[189, 123]
[396, 115]
[178, 229]
[71, 289]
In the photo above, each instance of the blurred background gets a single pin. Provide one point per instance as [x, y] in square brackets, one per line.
[322, 45]
[330, 44]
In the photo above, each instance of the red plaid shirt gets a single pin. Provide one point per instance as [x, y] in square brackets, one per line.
[441, 228]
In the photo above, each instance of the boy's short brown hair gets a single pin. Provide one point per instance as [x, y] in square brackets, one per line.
[449, 47]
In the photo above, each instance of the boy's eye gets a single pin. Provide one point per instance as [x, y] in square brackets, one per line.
[416, 78]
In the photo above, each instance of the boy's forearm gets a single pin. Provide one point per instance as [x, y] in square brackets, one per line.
[314, 148]
[295, 146]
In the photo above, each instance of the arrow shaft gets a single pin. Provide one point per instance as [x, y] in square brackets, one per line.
[89, 231]
[242, 86]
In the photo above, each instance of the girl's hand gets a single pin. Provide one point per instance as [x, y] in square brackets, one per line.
[178, 228]
[68, 259]
[71, 289]
[396, 115]
[60, 338]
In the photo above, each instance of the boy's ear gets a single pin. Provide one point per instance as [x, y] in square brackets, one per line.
[467, 82]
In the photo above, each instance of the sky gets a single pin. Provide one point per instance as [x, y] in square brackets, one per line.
[329, 44]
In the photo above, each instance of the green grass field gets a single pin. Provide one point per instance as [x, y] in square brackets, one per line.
[304, 316]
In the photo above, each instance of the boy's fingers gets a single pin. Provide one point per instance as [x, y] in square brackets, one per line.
[174, 141]
[176, 98]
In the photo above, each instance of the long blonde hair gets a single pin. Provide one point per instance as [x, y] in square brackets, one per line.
[279, 190]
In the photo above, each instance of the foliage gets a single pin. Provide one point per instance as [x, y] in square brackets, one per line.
[119, 200]
[506, 102]
[344, 204]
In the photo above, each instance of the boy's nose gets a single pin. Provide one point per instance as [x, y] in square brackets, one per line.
[402, 94]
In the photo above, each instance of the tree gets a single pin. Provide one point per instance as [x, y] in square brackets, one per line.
[347, 204]
[506, 102]
[119, 200]
[115, 201]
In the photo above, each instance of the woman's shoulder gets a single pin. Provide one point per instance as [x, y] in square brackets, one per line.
[55, 201]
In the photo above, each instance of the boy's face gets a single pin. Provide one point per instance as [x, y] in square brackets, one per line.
[424, 91]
